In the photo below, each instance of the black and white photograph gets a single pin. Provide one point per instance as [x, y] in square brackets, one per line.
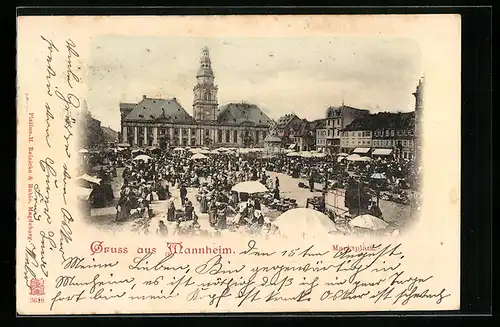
[295, 137]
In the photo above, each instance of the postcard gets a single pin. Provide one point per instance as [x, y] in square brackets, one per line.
[236, 164]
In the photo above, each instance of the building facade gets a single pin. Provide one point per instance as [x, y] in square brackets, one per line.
[357, 136]
[395, 131]
[384, 134]
[337, 118]
[164, 122]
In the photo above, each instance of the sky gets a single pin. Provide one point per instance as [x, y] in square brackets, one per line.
[281, 75]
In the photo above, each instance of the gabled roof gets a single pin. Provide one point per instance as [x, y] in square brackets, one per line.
[169, 110]
[285, 120]
[242, 114]
[124, 105]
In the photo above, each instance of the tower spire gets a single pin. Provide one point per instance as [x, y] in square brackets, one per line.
[205, 91]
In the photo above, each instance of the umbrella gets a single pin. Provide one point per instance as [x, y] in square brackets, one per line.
[143, 157]
[250, 187]
[214, 152]
[304, 222]
[198, 156]
[90, 179]
[205, 148]
[364, 159]
[339, 159]
[83, 193]
[293, 154]
[83, 151]
[195, 150]
[305, 154]
[204, 151]
[319, 155]
[378, 176]
[179, 149]
[343, 154]
[222, 149]
[369, 222]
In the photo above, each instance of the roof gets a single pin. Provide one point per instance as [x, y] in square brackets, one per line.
[382, 120]
[242, 114]
[270, 138]
[124, 105]
[308, 128]
[336, 111]
[150, 109]
[109, 135]
[285, 120]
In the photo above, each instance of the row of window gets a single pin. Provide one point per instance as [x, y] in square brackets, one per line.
[184, 132]
[327, 132]
[392, 143]
[392, 132]
[377, 143]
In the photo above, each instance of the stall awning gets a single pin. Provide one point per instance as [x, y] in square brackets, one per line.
[382, 152]
[361, 150]
[292, 146]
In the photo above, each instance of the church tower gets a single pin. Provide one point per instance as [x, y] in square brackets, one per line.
[205, 91]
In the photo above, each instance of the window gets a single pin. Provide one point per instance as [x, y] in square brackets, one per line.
[359, 134]
[386, 132]
[404, 143]
[368, 133]
[398, 133]
[359, 142]
[392, 132]
[235, 136]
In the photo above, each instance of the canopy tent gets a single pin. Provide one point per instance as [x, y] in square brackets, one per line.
[123, 145]
[304, 222]
[198, 156]
[214, 152]
[138, 151]
[143, 157]
[204, 151]
[222, 149]
[292, 146]
[288, 151]
[361, 150]
[249, 187]
[319, 155]
[195, 150]
[343, 154]
[83, 193]
[378, 176]
[83, 151]
[364, 159]
[368, 222]
[305, 154]
[293, 154]
[205, 148]
[179, 149]
[90, 179]
[382, 152]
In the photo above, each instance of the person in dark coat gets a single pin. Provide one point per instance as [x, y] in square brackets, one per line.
[257, 204]
[183, 193]
[277, 182]
[276, 193]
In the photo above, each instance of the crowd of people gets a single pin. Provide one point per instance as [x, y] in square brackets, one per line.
[154, 177]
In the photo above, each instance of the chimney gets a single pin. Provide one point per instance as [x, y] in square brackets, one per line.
[144, 96]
